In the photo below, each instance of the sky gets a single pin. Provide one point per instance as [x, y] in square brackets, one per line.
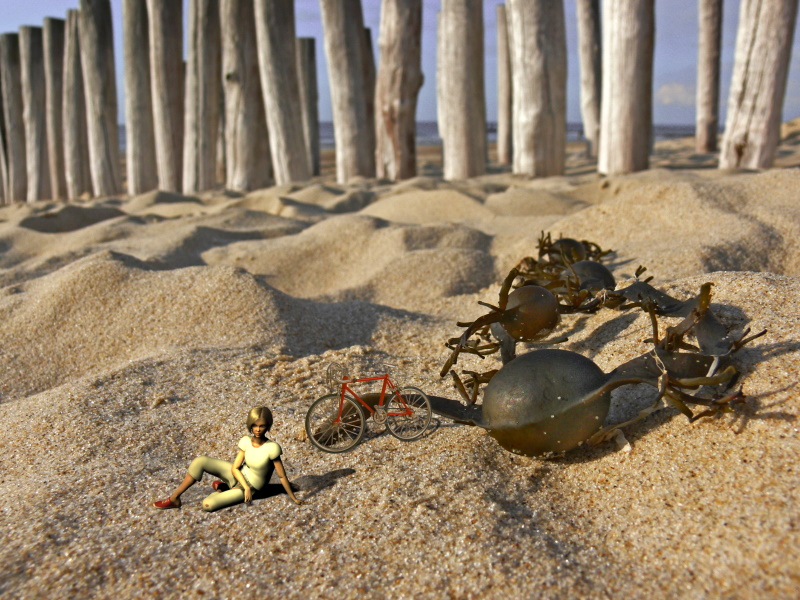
[674, 68]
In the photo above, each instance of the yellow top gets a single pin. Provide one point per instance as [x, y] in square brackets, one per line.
[258, 461]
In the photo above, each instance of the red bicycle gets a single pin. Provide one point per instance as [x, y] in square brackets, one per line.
[336, 422]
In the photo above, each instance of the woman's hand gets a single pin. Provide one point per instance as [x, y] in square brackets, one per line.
[248, 494]
[285, 481]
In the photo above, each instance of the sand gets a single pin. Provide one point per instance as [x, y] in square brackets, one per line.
[137, 333]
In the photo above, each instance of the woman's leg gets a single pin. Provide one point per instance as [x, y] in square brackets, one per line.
[212, 466]
[219, 500]
[204, 464]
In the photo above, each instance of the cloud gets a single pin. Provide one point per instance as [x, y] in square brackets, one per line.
[676, 93]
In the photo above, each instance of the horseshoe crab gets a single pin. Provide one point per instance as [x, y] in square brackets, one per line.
[554, 400]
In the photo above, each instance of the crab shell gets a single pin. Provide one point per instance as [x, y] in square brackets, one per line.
[545, 401]
[573, 250]
[531, 313]
[591, 275]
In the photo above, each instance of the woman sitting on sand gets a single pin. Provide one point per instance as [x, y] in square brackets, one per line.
[250, 470]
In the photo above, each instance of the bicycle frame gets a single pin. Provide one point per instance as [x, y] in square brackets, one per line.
[387, 384]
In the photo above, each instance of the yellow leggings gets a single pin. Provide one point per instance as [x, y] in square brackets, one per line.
[221, 469]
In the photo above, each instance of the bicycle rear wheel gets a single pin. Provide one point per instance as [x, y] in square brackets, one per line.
[331, 432]
[409, 414]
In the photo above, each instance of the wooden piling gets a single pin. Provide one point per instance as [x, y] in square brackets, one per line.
[626, 113]
[343, 27]
[54, 92]
[370, 79]
[248, 163]
[397, 88]
[460, 88]
[3, 158]
[504, 90]
[140, 145]
[309, 98]
[709, 16]
[277, 61]
[76, 141]
[221, 160]
[590, 59]
[76, 146]
[17, 176]
[167, 84]
[31, 54]
[539, 58]
[203, 91]
[100, 92]
[758, 85]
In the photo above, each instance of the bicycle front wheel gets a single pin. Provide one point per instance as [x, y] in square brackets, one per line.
[408, 414]
[332, 431]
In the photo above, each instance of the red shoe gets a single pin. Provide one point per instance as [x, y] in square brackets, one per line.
[220, 486]
[168, 503]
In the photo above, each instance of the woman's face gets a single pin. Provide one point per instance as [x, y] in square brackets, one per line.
[259, 428]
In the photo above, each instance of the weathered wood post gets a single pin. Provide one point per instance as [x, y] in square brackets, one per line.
[708, 63]
[221, 160]
[203, 91]
[54, 93]
[343, 27]
[167, 82]
[76, 142]
[590, 56]
[504, 90]
[277, 60]
[248, 161]
[140, 144]
[460, 88]
[31, 54]
[539, 58]
[3, 158]
[758, 86]
[370, 81]
[17, 182]
[397, 88]
[626, 120]
[100, 92]
[309, 98]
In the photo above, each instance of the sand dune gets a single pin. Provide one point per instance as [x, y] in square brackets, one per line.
[137, 332]
[683, 224]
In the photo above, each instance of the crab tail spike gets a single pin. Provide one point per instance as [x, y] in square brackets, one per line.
[450, 361]
[676, 400]
[459, 386]
[487, 305]
[744, 340]
[506, 287]
[704, 299]
[721, 405]
[693, 382]
[477, 324]
[650, 307]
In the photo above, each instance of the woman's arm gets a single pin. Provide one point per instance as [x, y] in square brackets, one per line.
[284, 480]
[236, 471]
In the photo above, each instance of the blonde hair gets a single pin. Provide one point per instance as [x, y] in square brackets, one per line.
[259, 412]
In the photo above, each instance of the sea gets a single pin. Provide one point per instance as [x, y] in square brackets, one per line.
[428, 133]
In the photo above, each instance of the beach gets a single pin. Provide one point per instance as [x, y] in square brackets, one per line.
[139, 331]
